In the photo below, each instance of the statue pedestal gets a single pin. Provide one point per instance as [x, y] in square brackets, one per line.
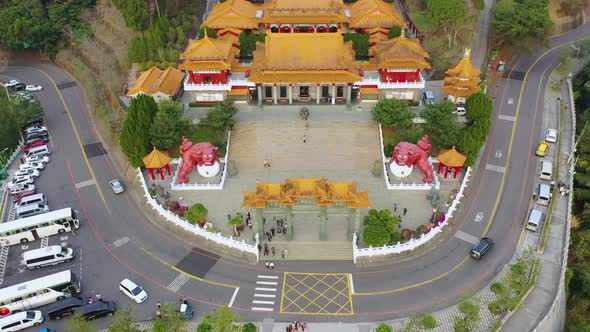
[400, 171]
[209, 171]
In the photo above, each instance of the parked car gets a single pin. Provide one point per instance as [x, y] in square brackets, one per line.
[29, 141]
[96, 309]
[35, 129]
[37, 166]
[133, 291]
[481, 248]
[11, 83]
[34, 144]
[18, 197]
[37, 159]
[63, 308]
[41, 136]
[116, 186]
[36, 121]
[551, 135]
[18, 180]
[21, 320]
[22, 188]
[28, 172]
[542, 149]
[185, 310]
[33, 87]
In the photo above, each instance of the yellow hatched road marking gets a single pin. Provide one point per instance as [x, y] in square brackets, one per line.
[299, 279]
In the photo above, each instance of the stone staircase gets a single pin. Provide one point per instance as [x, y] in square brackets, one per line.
[331, 145]
[317, 251]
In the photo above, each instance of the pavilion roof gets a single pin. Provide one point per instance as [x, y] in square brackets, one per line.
[156, 80]
[400, 52]
[209, 53]
[240, 14]
[156, 159]
[304, 11]
[451, 158]
[460, 91]
[304, 57]
[465, 69]
[375, 13]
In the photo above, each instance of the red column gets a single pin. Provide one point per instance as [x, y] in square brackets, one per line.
[152, 173]
[446, 171]
[439, 167]
[161, 174]
[457, 170]
[168, 169]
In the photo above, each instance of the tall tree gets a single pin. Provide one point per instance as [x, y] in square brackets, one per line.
[169, 125]
[448, 15]
[135, 12]
[170, 320]
[380, 227]
[222, 320]
[221, 116]
[441, 124]
[124, 321]
[247, 43]
[523, 23]
[134, 138]
[393, 113]
[478, 106]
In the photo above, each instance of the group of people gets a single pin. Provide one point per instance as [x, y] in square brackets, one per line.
[98, 298]
[563, 188]
[272, 250]
[267, 164]
[296, 326]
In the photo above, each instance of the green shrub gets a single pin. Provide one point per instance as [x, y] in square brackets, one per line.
[194, 104]
[204, 327]
[419, 231]
[249, 327]
[384, 328]
[198, 212]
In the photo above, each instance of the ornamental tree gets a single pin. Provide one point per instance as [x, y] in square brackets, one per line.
[134, 139]
[169, 125]
[247, 43]
[441, 124]
[395, 31]
[380, 227]
[393, 114]
[197, 213]
[222, 320]
[478, 106]
[221, 116]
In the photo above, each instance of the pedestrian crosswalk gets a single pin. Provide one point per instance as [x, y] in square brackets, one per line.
[180, 280]
[265, 292]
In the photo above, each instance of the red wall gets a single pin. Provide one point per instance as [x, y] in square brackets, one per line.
[216, 78]
[400, 76]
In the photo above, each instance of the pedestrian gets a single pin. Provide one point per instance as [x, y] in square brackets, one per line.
[272, 250]
[278, 222]
[285, 252]
[99, 297]
[405, 211]
[279, 230]
[304, 139]
[267, 234]
[272, 230]
[394, 206]
[259, 248]
[285, 231]
[228, 216]
[158, 314]
[303, 327]
[249, 215]
[272, 265]
[265, 163]
[296, 324]
[72, 226]
[158, 305]
[267, 265]
[266, 252]
[287, 328]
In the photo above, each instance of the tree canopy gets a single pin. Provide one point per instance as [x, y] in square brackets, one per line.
[380, 227]
[221, 116]
[448, 15]
[135, 12]
[393, 113]
[14, 114]
[169, 125]
[221, 320]
[522, 23]
[170, 320]
[441, 124]
[134, 138]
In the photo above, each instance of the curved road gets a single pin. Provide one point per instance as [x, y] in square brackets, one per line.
[118, 241]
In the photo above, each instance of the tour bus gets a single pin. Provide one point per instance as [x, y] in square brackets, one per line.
[39, 226]
[38, 292]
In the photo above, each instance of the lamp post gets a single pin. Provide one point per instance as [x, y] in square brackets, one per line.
[577, 49]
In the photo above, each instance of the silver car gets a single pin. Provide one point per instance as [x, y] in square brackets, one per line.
[551, 135]
[116, 186]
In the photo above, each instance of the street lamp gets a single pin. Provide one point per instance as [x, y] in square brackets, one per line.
[577, 49]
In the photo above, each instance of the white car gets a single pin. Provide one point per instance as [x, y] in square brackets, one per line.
[20, 180]
[134, 292]
[35, 129]
[28, 172]
[116, 186]
[551, 135]
[22, 188]
[460, 111]
[11, 83]
[37, 159]
[33, 87]
[37, 166]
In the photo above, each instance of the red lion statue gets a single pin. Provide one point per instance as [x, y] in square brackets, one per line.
[199, 154]
[408, 154]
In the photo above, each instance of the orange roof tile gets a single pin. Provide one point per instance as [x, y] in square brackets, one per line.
[451, 158]
[463, 79]
[238, 92]
[370, 91]
[460, 91]
[304, 11]
[375, 13]
[207, 49]
[239, 14]
[465, 69]
[156, 80]
[400, 52]
[156, 159]
[225, 31]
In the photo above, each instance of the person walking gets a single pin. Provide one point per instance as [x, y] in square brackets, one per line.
[272, 265]
[267, 265]
[303, 327]
[405, 211]
[272, 249]
[272, 231]
[158, 305]
[228, 216]
[285, 252]
[394, 206]
[259, 248]
[304, 139]
[158, 314]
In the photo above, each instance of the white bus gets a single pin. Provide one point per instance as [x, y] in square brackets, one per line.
[38, 292]
[36, 227]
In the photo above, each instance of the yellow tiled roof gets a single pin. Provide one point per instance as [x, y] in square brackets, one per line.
[156, 80]
[462, 80]
[465, 69]
[239, 14]
[207, 49]
[204, 65]
[375, 13]
[304, 76]
[229, 30]
[460, 91]
[304, 11]
[156, 159]
[400, 52]
[370, 91]
[451, 158]
[237, 92]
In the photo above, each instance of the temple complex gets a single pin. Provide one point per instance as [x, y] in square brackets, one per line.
[302, 55]
[462, 80]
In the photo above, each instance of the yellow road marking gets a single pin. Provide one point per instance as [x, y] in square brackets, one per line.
[184, 272]
[283, 292]
[104, 201]
[320, 278]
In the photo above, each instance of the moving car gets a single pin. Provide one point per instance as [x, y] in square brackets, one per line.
[96, 309]
[116, 186]
[23, 194]
[37, 166]
[542, 149]
[37, 159]
[20, 180]
[22, 188]
[133, 291]
[551, 135]
[34, 144]
[33, 87]
[481, 248]
[12, 83]
[28, 172]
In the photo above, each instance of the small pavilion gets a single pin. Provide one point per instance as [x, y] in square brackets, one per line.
[462, 80]
[450, 159]
[157, 160]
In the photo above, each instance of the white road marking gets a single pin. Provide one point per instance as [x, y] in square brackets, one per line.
[507, 117]
[233, 298]
[24, 247]
[260, 276]
[3, 261]
[478, 217]
[263, 302]
[351, 283]
[44, 242]
[264, 295]
[265, 289]
[261, 309]
[274, 283]
[510, 101]
[495, 168]
[498, 153]
[180, 280]
[63, 238]
[467, 237]
[260, 292]
[64, 244]
[120, 242]
[84, 183]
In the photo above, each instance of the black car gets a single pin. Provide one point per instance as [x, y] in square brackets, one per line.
[36, 121]
[35, 136]
[481, 248]
[96, 309]
[64, 307]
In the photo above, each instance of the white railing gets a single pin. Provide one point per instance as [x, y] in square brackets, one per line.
[412, 243]
[404, 186]
[240, 82]
[14, 154]
[195, 229]
[202, 186]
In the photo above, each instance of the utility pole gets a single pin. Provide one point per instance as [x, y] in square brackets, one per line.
[577, 49]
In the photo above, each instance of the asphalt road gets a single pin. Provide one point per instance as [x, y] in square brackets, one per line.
[117, 241]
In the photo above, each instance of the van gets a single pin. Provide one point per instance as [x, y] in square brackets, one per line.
[38, 151]
[32, 199]
[31, 210]
[543, 194]
[51, 255]
[546, 170]
[21, 320]
[428, 97]
[64, 308]
[535, 219]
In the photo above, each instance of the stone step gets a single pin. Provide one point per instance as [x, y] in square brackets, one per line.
[321, 250]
